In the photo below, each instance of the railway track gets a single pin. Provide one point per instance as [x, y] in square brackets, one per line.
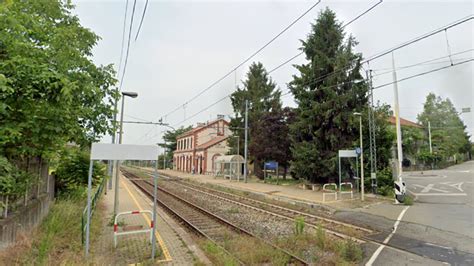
[334, 227]
[331, 226]
[202, 221]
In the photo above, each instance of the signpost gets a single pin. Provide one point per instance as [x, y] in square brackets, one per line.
[271, 165]
[102, 151]
[345, 154]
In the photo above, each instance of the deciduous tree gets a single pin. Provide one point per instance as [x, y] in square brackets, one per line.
[51, 92]
[448, 131]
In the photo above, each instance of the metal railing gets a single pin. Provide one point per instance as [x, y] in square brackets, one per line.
[97, 194]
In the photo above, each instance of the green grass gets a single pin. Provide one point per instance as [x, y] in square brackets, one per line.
[320, 249]
[217, 255]
[57, 240]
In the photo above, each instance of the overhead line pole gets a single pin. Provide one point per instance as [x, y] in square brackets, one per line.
[397, 122]
[246, 138]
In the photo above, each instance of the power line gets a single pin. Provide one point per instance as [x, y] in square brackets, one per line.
[378, 55]
[424, 36]
[345, 25]
[204, 109]
[128, 44]
[123, 37]
[365, 61]
[423, 73]
[243, 62]
[141, 21]
[423, 63]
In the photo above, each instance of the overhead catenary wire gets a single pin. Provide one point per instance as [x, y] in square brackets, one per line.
[128, 44]
[123, 38]
[423, 73]
[339, 84]
[397, 47]
[350, 22]
[141, 20]
[343, 26]
[458, 22]
[244, 61]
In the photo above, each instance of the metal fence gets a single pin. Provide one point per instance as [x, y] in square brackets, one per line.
[95, 198]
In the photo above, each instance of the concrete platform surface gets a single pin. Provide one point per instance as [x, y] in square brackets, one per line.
[136, 248]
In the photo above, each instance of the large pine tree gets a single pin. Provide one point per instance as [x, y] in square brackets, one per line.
[263, 96]
[328, 90]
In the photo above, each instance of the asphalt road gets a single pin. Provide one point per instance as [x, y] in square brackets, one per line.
[437, 229]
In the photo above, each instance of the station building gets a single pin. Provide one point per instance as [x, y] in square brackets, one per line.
[199, 147]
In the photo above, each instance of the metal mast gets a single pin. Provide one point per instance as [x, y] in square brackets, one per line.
[372, 130]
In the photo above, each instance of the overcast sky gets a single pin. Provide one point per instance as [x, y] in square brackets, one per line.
[184, 46]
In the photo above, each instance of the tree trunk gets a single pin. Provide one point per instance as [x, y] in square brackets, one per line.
[257, 168]
[285, 170]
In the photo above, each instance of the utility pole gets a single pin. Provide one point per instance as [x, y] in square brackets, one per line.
[361, 161]
[117, 170]
[245, 145]
[112, 163]
[397, 120]
[164, 157]
[429, 136]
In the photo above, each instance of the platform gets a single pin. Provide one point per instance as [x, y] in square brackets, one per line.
[136, 248]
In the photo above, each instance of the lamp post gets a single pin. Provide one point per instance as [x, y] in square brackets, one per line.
[361, 158]
[117, 170]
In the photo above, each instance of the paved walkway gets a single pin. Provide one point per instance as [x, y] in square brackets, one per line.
[136, 248]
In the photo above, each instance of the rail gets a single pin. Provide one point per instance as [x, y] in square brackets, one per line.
[214, 216]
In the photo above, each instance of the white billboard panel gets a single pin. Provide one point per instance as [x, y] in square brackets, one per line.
[347, 153]
[105, 151]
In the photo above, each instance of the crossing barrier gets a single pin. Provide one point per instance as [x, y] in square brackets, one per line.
[348, 185]
[329, 189]
[117, 233]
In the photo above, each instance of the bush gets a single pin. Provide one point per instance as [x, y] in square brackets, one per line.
[385, 182]
[73, 169]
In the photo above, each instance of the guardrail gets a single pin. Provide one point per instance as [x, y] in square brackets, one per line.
[117, 233]
[97, 194]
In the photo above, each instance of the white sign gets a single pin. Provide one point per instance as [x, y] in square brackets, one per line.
[347, 153]
[105, 151]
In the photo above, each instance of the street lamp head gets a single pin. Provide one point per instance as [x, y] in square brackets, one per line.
[357, 113]
[130, 94]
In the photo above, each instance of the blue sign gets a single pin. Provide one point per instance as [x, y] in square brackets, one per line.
[358, 150]
[272, 165]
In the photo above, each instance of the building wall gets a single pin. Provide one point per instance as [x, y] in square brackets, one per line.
[218, 149]
[186, 156]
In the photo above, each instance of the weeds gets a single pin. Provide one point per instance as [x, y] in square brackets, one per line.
[350, 251]
[408, 200]
[299, 225]
[320, 237]
[233, 210]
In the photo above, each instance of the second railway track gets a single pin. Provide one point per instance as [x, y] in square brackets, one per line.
[202, 221]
